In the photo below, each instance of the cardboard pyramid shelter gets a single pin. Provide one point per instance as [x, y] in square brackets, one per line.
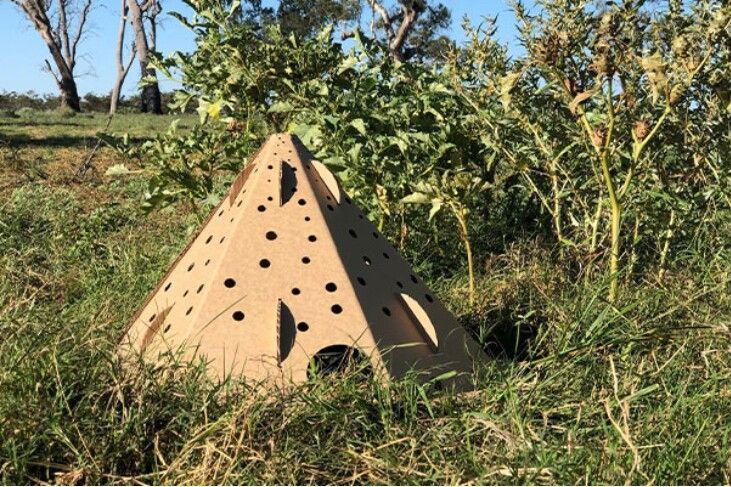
[287, 270]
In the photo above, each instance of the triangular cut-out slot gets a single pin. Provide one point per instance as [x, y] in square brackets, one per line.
[288, 185]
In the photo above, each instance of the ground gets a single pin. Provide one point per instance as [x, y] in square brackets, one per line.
[576, 391]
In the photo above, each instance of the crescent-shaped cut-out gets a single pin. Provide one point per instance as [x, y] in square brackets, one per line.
[286, 267]
[157, 321]
[329, 179]
[286, 331]
[421, 320]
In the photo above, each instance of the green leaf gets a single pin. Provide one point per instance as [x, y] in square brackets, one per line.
[120, 170]
[281, 107]
[436, 205]
[347, 64]
[335, 163]
[359, 125]
[416, 198]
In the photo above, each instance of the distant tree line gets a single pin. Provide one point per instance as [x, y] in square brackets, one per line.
[11, 101]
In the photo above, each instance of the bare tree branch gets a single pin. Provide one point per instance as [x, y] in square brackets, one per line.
[50, 70]
[406, 18]
[80, 28]
[387, 23]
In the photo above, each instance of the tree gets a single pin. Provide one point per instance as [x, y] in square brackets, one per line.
[411, 27]
[306, 18]
[122, 67]
[145, 39]
[54, 22]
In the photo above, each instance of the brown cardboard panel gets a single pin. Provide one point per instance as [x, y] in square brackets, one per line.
[286, 267]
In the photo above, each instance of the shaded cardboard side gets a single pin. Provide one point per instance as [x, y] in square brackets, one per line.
[131, 337]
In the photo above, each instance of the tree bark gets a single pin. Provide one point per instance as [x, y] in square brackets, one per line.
[122, 68]
[150, 99]
[397, 37]
[69, 93]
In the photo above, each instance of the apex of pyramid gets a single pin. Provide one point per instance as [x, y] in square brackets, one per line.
[288, 270]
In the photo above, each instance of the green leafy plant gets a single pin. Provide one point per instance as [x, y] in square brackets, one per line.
[457, 193]
[600, 118]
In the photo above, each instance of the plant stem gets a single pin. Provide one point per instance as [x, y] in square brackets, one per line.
[666, 244]
[633, 254]
[616, 220]
[464, 235]
[556, 206]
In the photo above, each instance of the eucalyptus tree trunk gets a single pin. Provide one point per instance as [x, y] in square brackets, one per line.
[53, 24]
[150, 99]
[122, 68]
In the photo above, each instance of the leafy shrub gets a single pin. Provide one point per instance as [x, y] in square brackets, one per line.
[25, 112]
[63, 112]
[613, 119]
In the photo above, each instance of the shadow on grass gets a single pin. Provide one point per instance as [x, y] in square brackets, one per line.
[36, 123]
[55, 141]
[505, 334]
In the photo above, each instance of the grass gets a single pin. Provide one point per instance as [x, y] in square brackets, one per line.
[578, 391]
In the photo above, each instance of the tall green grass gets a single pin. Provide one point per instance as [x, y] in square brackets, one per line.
[577, 390]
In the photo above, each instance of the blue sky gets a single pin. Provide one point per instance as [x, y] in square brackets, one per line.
[20, 64]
